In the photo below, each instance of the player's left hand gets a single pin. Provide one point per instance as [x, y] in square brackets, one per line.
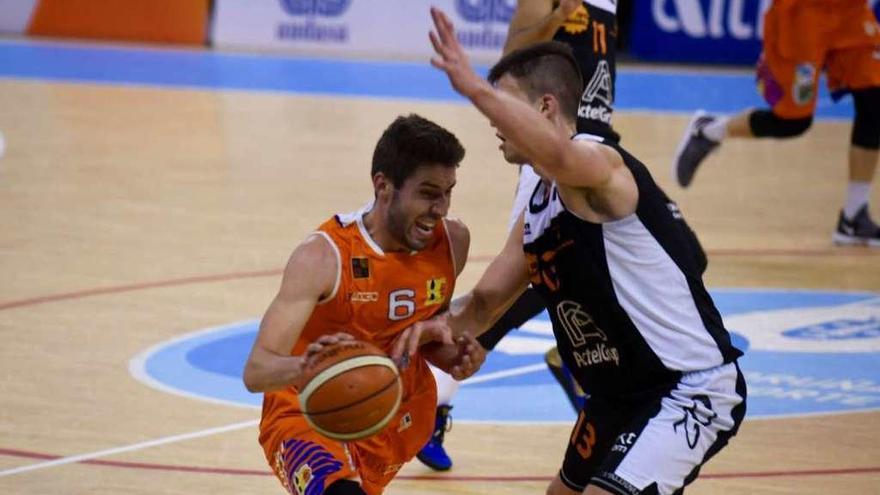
[434, 330]
[451, 57]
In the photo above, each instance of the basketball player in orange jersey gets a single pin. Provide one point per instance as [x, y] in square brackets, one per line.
[802, 38]
[379, 274]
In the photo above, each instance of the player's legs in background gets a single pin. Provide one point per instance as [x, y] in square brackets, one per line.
[854, 225]
[788, 83]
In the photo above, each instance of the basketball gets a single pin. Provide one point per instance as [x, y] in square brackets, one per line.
[350, 391]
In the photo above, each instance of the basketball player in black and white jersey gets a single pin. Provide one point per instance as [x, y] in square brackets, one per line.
[619, 275]
[589, 27]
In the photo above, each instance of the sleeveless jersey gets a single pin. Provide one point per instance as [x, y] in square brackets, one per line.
[376, 296]
[629, 309]
[591, 31]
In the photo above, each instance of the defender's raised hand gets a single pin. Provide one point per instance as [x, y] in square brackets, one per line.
[451, 57]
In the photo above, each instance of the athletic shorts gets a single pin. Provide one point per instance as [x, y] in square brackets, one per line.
[306, 462]
[804, 37]
[656, 445]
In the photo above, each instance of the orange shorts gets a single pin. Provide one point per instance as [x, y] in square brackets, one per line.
[306, 462]
[803, 37]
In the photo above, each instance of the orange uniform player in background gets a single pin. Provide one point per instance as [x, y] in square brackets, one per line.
[379, 275]
[803, 38]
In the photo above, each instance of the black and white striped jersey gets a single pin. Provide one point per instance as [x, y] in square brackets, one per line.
[629, 309]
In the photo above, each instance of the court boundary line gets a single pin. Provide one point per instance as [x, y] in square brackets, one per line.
[429, 477]
[60, 461]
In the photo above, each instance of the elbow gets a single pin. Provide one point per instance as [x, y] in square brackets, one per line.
[250, 381]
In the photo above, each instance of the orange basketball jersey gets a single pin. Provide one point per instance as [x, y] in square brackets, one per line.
[376, 296]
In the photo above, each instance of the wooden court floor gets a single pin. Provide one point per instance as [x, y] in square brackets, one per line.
[130, 215]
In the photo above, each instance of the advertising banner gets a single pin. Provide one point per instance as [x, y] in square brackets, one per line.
[359, 28]
[707, 31]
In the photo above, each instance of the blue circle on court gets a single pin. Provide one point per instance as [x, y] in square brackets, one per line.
[806, 352]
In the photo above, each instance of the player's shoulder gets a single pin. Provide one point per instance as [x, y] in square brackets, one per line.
[460, 240]
[316, 254]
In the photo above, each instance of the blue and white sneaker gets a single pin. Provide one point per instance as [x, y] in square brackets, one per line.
[433, 454]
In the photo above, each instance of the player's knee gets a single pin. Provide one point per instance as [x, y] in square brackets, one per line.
[344, 487]
[765, 123]
[866, 125]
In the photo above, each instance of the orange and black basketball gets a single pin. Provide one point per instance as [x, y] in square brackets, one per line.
[350, 390]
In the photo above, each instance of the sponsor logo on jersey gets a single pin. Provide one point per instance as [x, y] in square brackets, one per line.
[624, 442]
[578, 324]
[598, 96]
[492, 16]
[364, 297]
[582, 332]
[311, 25]
[436, 288]
[360, 267]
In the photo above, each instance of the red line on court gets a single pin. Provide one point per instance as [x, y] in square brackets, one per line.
[223, 277]
[141, 286]
[500, 479]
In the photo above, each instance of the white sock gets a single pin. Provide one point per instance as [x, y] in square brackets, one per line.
[857, 194]
[716, 131]
[446, 386]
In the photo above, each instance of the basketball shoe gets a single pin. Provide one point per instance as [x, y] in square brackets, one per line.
[694, 147]
[433, 454]
[859, 230]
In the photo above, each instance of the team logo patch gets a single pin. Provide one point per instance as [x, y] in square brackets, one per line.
[301, 479]
[436, 288]
[360, 267]
[803, 89]
[578, 21]
[699, 414]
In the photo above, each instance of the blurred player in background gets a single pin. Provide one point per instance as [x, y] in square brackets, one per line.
[379, 275]
[801, 39]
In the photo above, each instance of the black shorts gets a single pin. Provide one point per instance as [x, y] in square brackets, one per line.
[658, 445]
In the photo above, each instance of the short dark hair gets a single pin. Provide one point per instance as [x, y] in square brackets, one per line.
[412, 141]
[541, 68]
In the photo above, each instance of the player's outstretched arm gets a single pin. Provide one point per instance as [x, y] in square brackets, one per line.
[537, 20]
[572, 163]
[503, 281]
[310, 275]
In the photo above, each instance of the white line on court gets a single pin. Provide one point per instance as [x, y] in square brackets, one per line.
[522, 370]
[129, 448]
